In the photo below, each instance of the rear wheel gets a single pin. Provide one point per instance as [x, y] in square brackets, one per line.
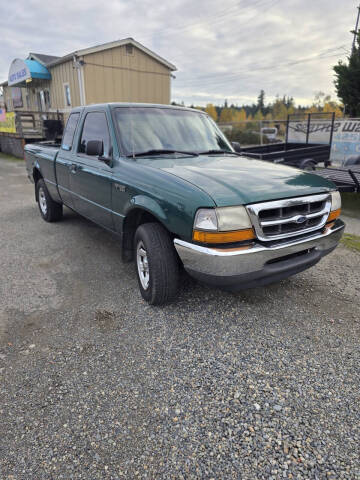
[308, 166]
[156, 264]
[50, 211]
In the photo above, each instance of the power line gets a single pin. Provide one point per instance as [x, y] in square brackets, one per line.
[204, 80]
[214, 20]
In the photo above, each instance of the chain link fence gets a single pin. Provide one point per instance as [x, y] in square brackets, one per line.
[299, 128]
[252, 132]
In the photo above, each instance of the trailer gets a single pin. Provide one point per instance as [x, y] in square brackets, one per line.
[346, 179]
[307, 142]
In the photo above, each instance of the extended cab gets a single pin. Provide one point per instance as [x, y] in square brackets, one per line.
[167, 181]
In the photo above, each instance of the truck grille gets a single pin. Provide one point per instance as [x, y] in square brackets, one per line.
[289, 217]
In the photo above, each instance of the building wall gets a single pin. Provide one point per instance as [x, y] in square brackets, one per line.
[61, 74]
[29, 96]
[140, 78]
[112, 75]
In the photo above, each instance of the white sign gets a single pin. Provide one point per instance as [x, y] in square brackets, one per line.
[346, 143]
[318, 131]
[19, 72]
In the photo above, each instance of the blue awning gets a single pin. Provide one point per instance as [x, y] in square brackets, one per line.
[37, 70]
[22, 71]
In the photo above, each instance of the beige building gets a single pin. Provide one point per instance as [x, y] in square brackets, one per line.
[120, 71]
[42, 88]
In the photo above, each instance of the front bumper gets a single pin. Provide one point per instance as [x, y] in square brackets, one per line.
[256, 265]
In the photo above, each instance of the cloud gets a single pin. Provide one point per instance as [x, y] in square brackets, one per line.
[229, 49]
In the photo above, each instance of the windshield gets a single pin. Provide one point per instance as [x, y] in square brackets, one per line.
[142, 129]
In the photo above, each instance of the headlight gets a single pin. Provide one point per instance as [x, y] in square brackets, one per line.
[222, 225]
[205, 219]
[335, 206]
[335, 201]
[233, 218]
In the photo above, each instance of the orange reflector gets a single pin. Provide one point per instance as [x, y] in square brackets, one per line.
[333, 215]
[223, 237]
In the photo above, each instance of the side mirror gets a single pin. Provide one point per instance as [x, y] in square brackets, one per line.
[236, 146]
[94, 148]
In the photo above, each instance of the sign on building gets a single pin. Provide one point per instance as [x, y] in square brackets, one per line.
[18, 72]
[8, 126]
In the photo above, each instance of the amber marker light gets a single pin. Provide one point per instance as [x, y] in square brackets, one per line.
[334, 215]
[223, 237]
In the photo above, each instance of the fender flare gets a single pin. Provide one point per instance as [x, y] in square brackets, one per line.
[148, 204]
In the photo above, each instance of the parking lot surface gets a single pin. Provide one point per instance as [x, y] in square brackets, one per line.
[96, 384]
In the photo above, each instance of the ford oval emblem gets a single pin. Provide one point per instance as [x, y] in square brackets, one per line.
[301, 219]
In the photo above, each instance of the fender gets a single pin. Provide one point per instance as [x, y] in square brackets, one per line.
[146, 203]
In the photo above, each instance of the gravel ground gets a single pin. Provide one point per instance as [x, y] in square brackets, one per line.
[96, 384]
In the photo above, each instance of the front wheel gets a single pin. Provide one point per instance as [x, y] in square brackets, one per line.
[157, 265]
[49, 210]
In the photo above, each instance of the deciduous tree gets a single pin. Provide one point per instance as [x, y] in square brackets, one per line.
[211, 110]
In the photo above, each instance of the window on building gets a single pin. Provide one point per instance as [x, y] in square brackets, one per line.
[16, 96]
[69, 132]
[67, 95]
[47, 99]
[42, 101]
[95, 128]
[129, 49]
[28, 101]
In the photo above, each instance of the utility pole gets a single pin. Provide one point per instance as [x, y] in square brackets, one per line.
[356, 29]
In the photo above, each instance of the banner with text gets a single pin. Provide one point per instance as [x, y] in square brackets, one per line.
[8, 126]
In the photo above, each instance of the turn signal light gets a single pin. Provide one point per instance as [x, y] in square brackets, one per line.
[334, 215]
[223, 237]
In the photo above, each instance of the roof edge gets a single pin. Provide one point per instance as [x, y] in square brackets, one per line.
[109, 45]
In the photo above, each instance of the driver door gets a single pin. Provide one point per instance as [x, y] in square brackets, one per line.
[90, 177]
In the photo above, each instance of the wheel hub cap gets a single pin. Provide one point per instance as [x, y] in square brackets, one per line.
[42, 201]
[142, 265]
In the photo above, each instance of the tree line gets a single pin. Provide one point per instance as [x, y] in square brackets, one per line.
[279, 109]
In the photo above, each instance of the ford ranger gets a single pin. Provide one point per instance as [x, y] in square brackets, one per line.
[170, 185]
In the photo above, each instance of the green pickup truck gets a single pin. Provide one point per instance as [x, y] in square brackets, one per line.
[167, 181]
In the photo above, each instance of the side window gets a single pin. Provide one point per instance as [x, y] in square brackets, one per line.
[67, 95]
[95, 128]
[69, 133]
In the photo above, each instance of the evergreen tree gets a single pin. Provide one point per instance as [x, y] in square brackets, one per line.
[347, 81]
[261, 101]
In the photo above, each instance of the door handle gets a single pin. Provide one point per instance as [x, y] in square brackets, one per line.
[73, 168]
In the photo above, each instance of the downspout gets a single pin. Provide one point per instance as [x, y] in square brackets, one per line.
[78, 64]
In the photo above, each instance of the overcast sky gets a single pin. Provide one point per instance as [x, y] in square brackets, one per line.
[222, 49]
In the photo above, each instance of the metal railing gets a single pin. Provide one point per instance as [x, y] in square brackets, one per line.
[31, 124]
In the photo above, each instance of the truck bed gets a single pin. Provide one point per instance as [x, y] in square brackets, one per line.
[45, 153]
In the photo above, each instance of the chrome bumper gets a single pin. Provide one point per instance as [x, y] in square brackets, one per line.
[258, 260]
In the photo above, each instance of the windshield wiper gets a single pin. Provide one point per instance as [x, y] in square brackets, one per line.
[160, 152]
[210, 152]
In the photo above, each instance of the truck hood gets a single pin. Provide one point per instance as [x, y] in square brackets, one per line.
[231, 180]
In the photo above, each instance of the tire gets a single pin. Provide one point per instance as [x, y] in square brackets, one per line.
[155, 252]
[49, 210]
[309, 166]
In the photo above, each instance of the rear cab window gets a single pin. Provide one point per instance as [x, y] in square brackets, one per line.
[69, 133]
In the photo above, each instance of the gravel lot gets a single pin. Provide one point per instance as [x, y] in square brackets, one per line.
[96, 384]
